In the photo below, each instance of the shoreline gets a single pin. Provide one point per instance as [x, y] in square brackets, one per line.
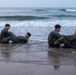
[36, 59]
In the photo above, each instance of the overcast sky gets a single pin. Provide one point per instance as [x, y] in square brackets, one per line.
[37, 3]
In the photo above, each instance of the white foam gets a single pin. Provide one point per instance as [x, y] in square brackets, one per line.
[71, 10]
[50, 23]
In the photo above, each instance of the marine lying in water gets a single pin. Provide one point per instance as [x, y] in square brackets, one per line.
[19, 39]
[24, 39]
[54, 36]
[68, 41]
[6, 36]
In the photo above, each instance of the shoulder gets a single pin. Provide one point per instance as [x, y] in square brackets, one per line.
[4, 30]
[53, 33]
[74, 35]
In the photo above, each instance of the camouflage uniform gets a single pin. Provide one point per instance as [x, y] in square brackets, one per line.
[13, 38]
[71, 41]
[7, 36]
[4, 36]
[68, 41]
[23, 40]
[16, 39]
[53, 36]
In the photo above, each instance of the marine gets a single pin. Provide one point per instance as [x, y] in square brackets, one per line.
[69, 41]
[54, 36]
[22, 39]
[6, 36]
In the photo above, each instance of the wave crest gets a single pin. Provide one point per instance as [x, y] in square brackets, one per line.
[22, 17]
[69, 10]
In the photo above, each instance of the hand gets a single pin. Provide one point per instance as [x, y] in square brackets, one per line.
[19, 36]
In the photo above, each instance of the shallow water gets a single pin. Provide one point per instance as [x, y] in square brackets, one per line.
[36, 59]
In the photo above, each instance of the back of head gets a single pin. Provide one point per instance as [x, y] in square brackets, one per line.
[29, 34]
[57, 26]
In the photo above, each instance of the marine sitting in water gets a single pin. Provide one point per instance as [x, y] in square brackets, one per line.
[54, 36]
[6, 36]
[55, 39]
[68, 41]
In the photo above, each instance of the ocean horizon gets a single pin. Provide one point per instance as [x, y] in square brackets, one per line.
[35, 57]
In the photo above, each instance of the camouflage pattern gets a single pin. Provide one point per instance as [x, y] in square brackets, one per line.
[23, 39]
[4, 36]
[68, 41]
[5, 40]
[71, 41]
[13, 38]
[16, 39]
[53, 36]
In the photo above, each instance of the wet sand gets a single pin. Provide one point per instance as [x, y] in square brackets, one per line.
[36, 59]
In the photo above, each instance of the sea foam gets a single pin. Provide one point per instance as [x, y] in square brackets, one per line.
[39, 23]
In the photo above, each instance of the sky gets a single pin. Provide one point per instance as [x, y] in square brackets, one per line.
[37, 3]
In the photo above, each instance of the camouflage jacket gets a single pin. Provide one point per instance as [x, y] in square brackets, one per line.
[71, 39]
[23, 39]
[53, 36]
[4, 33]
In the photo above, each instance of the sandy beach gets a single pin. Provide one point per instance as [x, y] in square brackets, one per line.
[36, 59]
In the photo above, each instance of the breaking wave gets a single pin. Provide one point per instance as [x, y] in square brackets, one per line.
[22, 17]
[69, 10]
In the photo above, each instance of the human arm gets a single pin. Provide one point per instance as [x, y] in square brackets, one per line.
[23, 39]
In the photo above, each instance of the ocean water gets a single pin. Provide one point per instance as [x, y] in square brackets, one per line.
[38, 21]
[35, 58]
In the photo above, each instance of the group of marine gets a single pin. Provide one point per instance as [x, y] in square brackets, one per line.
[6, 36]
[54, 38]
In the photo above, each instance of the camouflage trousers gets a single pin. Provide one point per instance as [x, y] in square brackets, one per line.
[11, 37]
[64, 41]
[5, 40]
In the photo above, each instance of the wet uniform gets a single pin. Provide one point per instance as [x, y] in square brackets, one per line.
[16, 39]
[68, 41]
[4, 36]
[53, 36]
[22, 40]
